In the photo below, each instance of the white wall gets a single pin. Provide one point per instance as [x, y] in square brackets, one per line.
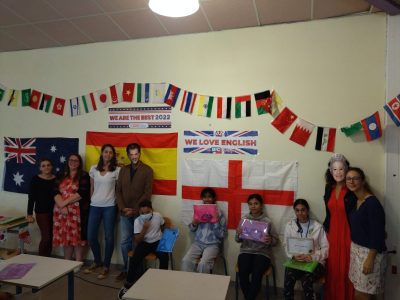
[329, 72]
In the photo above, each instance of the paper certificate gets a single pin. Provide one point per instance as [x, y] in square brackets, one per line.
[300, 245]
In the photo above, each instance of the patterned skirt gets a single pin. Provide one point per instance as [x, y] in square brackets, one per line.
[373, 283]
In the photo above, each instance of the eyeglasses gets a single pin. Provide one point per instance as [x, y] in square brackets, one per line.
[355, 178]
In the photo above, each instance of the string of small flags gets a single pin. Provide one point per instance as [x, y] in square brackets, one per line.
[267, 102]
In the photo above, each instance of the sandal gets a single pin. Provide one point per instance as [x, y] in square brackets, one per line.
[91, 269]
[103, 273]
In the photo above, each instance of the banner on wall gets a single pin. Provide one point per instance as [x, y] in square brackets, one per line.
[140, 117]
[234, 180]
[22, 156]
[158, 150]
[221, 142]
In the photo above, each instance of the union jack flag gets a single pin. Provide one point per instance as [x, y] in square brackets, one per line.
[22, 156]
[15, 148]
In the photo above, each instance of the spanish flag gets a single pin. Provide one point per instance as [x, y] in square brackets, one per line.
[158, 150]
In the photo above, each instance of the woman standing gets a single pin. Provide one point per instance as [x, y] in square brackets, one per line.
[339, 202]
[368, 249]
[41, 200]
[103, 178]
[255, 256]
[71, 210]
[304, 227]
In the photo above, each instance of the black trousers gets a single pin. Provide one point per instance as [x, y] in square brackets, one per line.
[135, 268]
[254, 265]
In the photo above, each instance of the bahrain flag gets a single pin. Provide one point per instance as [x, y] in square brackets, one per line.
[158, 150]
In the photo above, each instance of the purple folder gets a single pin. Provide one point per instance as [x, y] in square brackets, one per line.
[15, 271]
[254, 230]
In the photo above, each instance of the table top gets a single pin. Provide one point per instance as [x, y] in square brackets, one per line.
[45, 271]
[158, 284]
[21, 222]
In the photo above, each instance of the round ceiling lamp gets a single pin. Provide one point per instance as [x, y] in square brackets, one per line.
[174, 8]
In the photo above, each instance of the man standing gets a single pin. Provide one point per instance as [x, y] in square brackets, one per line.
[134, 185]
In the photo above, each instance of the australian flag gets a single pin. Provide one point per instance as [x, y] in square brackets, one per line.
[22, 156]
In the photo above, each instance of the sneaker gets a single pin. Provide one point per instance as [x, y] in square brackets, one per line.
[122, 292]
[103, 273]
[121, 276]
[92, 268]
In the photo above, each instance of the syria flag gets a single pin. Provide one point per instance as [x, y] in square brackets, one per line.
[284, 120]
[302, 132]
[325, 139]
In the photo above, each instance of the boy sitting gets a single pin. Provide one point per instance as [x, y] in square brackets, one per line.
[208, 239]
[147, 230]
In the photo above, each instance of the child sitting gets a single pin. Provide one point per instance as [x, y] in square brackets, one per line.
[147, 230]
[208, 239]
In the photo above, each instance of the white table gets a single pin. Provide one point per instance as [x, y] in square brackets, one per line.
[158, 284]
[46, 271]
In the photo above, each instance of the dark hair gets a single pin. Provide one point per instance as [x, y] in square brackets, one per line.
[302, 202]
[206, 191]
[132, 146]
[113, 161]
[362, 176]
[45, 159]
[67, 171]
[146, 203]
[329, 180]
[258, 197]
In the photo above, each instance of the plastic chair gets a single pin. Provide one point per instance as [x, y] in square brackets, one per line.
[270, 271]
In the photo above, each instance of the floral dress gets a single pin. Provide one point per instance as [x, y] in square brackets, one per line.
[67, 228]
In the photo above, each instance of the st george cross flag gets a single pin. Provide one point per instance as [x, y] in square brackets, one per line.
[234, 181]
[205, 106]
[283, 121]
[172, 94]
[243, 106]
[188, 102]
[325, 139]
[372, 127]
[23, 154]
[302, 132]
[159, 151]
[224, 107]
[263, 102]
[393, 109]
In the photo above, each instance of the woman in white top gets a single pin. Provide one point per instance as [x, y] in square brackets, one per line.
[103, 178]
[304, 227]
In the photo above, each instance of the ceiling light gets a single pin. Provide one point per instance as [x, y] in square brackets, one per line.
[174, 8]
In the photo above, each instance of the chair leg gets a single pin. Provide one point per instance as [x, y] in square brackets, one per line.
[237, 286]
[266, 288]
[274, 280]
[172, 260]
[225, 267]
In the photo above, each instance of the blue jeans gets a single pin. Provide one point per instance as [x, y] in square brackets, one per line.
[107, 214]
[127, 240]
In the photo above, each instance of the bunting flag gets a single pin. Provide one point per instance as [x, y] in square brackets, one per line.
[224, 107]
[234, 180]
[103, 98]
[74, 107]
[157, 92]
[13, 97]
[159, 151]
[128, 90]
[284, 120]
[2, 91]
[116, 93]
[302, 132]
[188, 102]
[372, 127]
[22, 156]
[89, 103]
[393, 110]
[58, 107]
[45, 102]
[352, 129]
[172, 94]
[25, 97]
[325, 139]
[205, 106]
[34, 101]
[263, 102]
[276, 102]
[143, 92]
[243, 106]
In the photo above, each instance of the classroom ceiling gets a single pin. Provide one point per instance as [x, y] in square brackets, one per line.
[34, 24]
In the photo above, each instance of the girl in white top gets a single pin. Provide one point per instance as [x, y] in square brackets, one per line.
[304, 227]
[103, 178]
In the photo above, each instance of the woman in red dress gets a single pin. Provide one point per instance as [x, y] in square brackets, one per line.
[339, 202]
[71, 209]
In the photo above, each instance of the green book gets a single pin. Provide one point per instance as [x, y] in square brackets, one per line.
[301, 265]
